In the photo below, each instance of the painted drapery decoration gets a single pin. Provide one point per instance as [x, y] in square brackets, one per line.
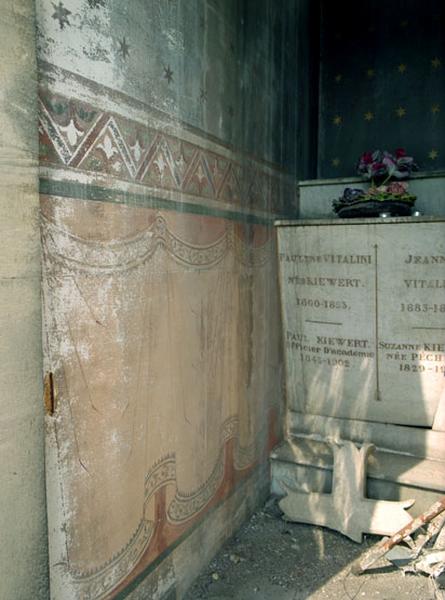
[164, 359]
[147, 345]
[159, 276]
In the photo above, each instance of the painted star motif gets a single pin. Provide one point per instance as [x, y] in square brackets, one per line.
[124, 48]
[168, 74]
[369, 116]
[402, 68]
[338, 78]
[370, 73]
[435, 109]
[335, 162]
[96, 3]
[433, 154]
[61, 14]
[436, 63]
[401, 112]
[337, 120]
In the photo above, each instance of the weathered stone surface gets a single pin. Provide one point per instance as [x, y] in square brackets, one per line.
[364, 316]
[23, 548]
[347, 509]
[306, 465]
[160, 303]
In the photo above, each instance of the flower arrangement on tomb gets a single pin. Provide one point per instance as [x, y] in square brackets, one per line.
[386, 171]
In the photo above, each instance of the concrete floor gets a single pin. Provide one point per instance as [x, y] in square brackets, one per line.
[270, 559]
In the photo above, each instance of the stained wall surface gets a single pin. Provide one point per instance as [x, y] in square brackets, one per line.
[23, 547]
[162, 154]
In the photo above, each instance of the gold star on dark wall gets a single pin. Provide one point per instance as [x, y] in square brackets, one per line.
[369, 102]
[168, 74]
[433, 154]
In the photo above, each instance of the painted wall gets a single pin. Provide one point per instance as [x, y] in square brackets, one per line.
[381, 82]
[162, 146]
[23, 548]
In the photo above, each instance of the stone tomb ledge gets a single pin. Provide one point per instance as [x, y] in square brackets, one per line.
[305, 460]
[316, 195]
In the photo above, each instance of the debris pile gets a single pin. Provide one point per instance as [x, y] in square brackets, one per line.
[423, 553]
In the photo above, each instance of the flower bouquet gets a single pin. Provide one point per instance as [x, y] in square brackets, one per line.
[388, 192]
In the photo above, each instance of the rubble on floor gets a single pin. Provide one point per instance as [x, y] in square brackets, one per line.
[424, 554]
[418, 547]
[271, 559]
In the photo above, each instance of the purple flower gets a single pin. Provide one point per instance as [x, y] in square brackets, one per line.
[378, 168]
[390, 164]
[366, 158]
[384, 164]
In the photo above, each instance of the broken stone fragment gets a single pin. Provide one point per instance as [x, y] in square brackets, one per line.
[347, 509]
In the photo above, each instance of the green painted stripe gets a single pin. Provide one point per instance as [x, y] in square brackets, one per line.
[95, 193]
[159, 559]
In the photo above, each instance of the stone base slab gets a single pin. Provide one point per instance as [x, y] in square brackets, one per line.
[305, 463]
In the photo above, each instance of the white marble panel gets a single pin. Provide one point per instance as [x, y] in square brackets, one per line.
[364, 319]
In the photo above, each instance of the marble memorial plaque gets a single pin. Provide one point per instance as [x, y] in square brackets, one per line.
[364, 319]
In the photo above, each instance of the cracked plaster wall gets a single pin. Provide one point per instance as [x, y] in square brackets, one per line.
[23, 548]
[201, 84]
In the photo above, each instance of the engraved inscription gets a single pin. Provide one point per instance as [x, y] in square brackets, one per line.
[425, 260]
[324, 281]
[421, 284]
[356, 259]
[364, 320]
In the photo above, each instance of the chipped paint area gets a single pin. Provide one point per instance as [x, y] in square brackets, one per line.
[130, 321]
[161, 324]
[223, 87]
